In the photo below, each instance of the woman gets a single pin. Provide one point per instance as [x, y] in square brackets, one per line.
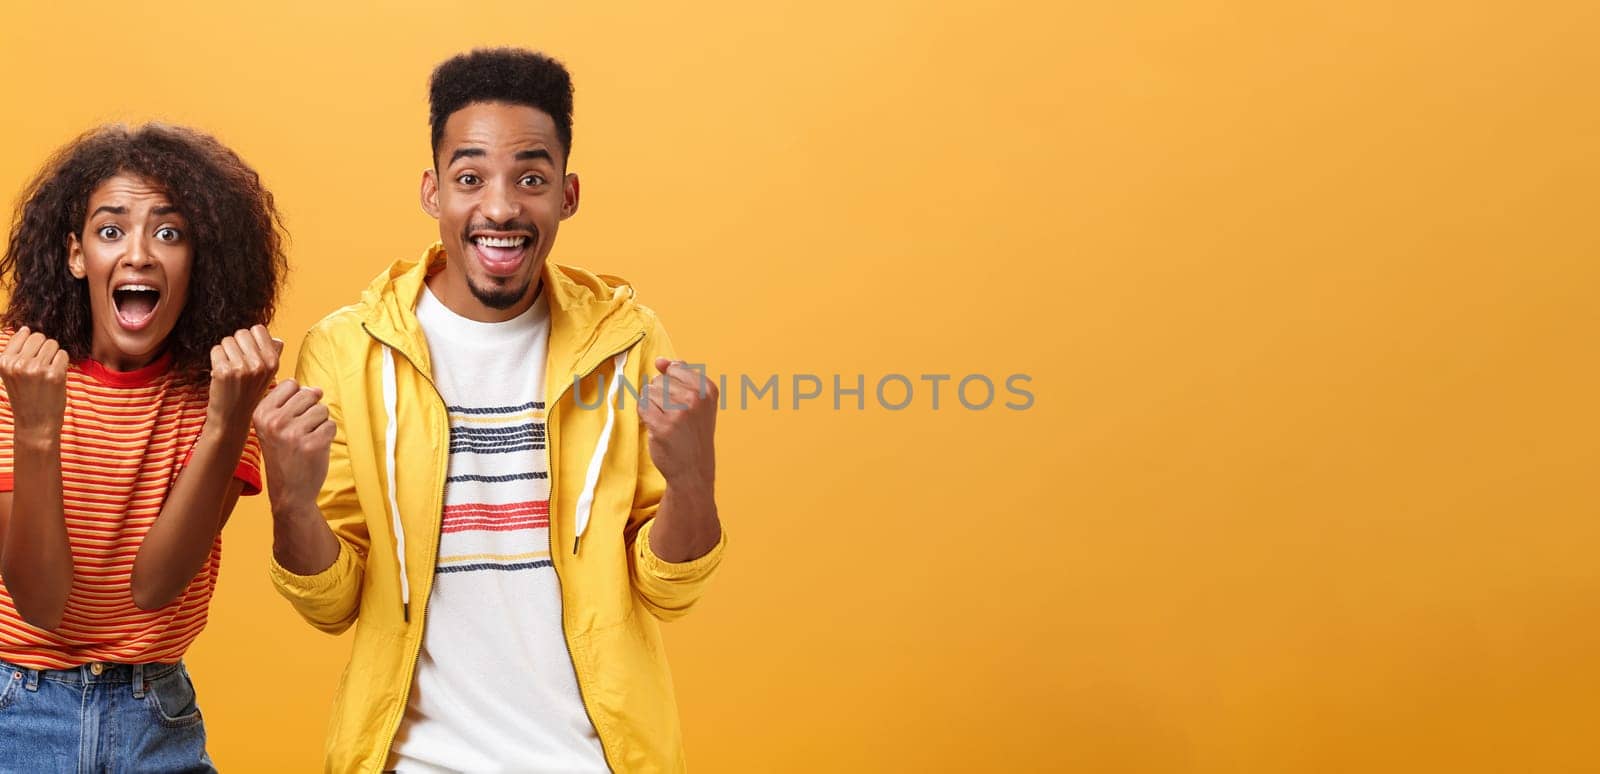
[142, 268]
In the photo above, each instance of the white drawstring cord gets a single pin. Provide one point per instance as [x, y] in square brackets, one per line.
[390, 405]
[592, 477]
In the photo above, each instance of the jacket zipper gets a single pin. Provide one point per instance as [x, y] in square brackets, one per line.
[416, 653]
[550, 462]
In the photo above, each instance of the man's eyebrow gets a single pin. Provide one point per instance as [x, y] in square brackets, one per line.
[110, 209]
[537, 153]
[461, 153]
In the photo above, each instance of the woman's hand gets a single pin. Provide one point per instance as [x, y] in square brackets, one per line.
[242, 367]
[34, 368]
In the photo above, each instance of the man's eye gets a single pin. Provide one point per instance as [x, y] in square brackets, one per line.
[467, 180]
[533, 180]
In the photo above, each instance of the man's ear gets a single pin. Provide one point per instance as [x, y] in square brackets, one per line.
[430, 193]
[75, 257]
[569, 196]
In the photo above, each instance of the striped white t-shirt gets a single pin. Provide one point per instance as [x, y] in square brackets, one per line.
[494, 688]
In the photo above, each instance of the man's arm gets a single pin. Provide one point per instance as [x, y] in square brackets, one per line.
[319, 537]
[679, 411]
[677, 536]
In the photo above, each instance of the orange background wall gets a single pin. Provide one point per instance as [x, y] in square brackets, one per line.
[1306, 295]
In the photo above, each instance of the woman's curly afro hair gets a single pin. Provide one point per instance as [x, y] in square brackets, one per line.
[235, 229]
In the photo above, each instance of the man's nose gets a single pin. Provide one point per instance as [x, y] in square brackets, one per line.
[500, 205]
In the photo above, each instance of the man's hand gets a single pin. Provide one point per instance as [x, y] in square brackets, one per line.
[296, 434]
[242, 366]
[34, 369]
[679, 409]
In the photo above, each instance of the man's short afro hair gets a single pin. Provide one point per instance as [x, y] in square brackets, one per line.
[513, 76]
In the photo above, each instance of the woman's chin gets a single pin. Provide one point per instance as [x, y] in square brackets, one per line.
[122, 349]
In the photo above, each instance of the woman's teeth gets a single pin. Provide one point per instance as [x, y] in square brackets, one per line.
[135, 303]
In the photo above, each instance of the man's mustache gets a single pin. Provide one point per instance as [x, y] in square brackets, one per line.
[514, 225]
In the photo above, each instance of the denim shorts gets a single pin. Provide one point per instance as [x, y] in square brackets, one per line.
[100, 717]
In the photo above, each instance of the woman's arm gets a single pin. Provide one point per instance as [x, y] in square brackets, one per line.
[199, 504]
[203, 497]
[35, 557]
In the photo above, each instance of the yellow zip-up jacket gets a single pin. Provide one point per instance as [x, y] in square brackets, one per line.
[384, 499]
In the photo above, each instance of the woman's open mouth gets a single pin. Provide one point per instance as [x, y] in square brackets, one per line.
[136, 305]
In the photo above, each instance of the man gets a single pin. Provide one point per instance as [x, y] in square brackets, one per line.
[446, 478]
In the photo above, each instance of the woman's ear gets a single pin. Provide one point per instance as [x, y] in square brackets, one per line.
[75, 257]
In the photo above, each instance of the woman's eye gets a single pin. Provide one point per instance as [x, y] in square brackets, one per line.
[110, 232]
[168, 234]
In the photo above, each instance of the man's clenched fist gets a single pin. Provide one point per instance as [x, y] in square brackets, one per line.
[296, 434]
[679, 409]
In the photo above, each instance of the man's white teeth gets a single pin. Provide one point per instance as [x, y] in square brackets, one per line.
[500, 241]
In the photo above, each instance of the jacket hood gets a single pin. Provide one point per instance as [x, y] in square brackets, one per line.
[591, 315]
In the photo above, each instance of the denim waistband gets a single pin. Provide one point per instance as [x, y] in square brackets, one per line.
[94, 672]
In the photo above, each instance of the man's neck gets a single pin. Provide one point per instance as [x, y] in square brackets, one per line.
[453, 292]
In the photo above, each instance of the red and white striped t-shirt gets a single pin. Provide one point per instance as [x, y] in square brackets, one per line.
[125, 438]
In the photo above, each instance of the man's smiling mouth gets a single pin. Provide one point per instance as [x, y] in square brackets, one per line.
[501, 255]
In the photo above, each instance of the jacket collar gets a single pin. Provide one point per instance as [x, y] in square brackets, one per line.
[592, 316]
